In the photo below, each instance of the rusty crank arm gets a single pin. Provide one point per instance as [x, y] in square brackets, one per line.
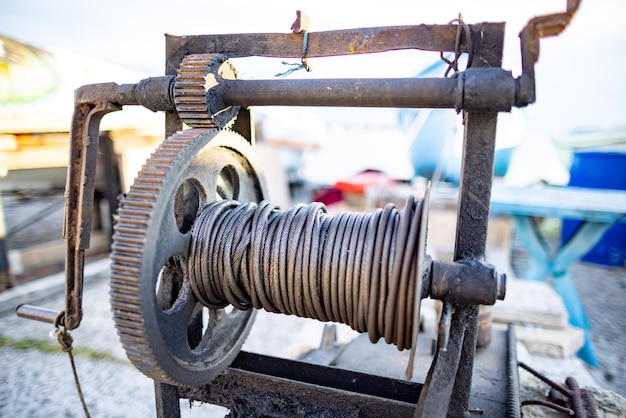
[91, 103]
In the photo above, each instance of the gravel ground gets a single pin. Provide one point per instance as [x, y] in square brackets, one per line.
[603, 293]
[38, 383]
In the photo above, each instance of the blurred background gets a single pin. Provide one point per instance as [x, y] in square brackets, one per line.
[580, 87]
[48, 49]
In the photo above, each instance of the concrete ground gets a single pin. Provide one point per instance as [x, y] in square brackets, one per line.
[603, 291]
[37, 380]
[36, 376]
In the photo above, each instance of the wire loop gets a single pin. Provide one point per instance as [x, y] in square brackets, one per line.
[462, 28]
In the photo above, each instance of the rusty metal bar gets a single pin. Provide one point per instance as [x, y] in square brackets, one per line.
[167, 400]
[466, 282]
[479, 90]
[321, 44]
[537, 28]
[253, 383]
[79, 195]
[394, 92]
[36, 313]
[449, 379]
[91, 103]
[513, 403]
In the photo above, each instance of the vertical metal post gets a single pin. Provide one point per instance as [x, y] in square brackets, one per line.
[173, 58]
[112, 187]
[450, 376]
[167, 400]
[472, 221]
[6, 281]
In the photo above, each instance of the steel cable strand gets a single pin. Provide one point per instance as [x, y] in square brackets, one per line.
[236, 292]
[268, 258]
[197, 255]
[387, 262]
[378, 283]
[306, 241]
[357, 273]
[295, 279]
[364, 283]
[281, 249]
[337, 264]
[358, 269]
[353, 269]
[394, 279]
[314, 297]
[404, 304]
[229, 290]
[258, 228]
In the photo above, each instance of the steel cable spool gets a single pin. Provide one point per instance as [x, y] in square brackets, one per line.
[194, 255]
[353, 268]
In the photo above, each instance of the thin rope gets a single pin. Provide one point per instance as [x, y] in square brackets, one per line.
[304, 64]
[353, 268]
[65, 341]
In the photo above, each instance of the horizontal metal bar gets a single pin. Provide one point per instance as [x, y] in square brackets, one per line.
[469, 281]
[257, 385]
[36, 313]
[322, 44]
[395, 92]
[337, 378]
[154, 93]
[483, 90]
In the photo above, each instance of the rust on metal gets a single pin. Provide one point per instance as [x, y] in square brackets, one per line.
[537, 28]
[446, 390]
[570, 399]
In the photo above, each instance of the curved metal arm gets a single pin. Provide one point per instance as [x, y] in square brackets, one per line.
[91, 103]
[537, 28]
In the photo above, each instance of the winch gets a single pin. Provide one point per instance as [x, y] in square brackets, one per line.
[198, 248]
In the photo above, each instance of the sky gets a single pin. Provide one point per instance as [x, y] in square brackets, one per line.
[131, 32]
[583, 62]
[580, 81]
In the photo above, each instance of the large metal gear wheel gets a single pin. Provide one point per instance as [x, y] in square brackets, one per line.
[166, 333]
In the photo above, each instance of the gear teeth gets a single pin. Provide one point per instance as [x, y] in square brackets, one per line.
[132, 258]
[191, 86]
[127, 252]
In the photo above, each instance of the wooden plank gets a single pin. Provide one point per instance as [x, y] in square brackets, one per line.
[531, 302]
[560, 343]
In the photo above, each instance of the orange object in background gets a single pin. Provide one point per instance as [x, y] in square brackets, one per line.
[360, 183]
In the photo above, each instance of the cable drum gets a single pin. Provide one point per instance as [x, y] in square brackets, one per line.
[359, 269]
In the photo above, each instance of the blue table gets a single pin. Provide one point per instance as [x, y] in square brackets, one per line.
[597, 209]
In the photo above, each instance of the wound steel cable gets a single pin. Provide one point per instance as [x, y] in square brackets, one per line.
[353, 268]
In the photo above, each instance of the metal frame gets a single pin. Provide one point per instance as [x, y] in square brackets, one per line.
[451, 369]
[480, 92]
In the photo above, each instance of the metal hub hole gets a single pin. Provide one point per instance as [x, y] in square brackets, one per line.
[198, 327]
[189, 198]
[227, 184]
[171, 285]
